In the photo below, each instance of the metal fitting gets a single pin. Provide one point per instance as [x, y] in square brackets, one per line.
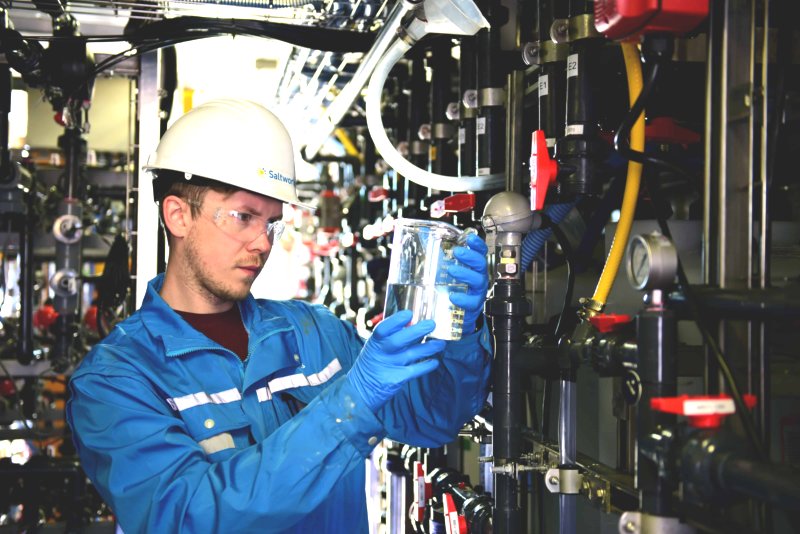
[641, 523]
[539, 53]
[470, 99]
[590, 308]
[492, 96]
[453, 111]
[563, 480]
[443, 130]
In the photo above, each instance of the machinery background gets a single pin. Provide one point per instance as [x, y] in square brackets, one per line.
[630, 164]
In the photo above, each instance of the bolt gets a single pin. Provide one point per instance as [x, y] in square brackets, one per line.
[600, 493]
[530, 53]
[630, 526]
[747, 100]
[554, 480]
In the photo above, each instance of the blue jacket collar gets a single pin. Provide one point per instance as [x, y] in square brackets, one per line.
[179, 338]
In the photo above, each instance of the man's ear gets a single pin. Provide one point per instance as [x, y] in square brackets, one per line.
[176, 214]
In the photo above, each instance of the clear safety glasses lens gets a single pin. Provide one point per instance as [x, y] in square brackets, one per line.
[246, 227]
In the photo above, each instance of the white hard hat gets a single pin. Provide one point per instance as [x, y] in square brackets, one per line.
[236, 142]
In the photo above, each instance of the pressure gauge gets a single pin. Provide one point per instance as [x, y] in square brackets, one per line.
[652, 262]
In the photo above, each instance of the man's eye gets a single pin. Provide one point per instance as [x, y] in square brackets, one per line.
[242, 217]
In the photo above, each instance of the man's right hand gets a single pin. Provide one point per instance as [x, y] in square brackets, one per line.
[391, 357]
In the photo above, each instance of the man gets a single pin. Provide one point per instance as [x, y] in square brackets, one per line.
[210, 411]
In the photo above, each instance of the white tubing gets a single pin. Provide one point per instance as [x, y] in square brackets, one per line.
[390, 154]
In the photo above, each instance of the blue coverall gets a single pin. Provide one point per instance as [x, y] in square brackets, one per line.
[179, 435]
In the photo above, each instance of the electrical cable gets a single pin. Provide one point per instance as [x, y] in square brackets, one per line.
[566, 246]
[741, 408]
[633, 69]
[636, 111]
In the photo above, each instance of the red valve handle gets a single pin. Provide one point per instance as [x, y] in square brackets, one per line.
[543, 170]
[454, 523]
[703, 411]
[423, 490]
[460, 202]
[609, 322]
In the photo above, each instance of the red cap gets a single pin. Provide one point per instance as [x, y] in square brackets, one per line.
[378, 194]
[44, 317]
[454, 523]
[609, 322]
[543, 170]
[703, 411]
[459, 202]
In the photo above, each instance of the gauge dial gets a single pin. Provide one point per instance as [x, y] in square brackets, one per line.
[652, 262]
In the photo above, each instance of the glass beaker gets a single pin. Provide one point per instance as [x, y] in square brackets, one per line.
[418, 277]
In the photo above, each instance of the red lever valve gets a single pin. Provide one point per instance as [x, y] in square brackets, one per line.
[543, 170]
[457, 203]
[703, 411]
[454, 523]
[609, 322]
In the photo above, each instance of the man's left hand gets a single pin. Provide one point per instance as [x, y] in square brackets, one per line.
[473, 272]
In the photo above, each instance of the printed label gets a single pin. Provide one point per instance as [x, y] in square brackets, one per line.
[573, 129]
[543, 85]
[480, 125]
[462, 136]
[572, 65]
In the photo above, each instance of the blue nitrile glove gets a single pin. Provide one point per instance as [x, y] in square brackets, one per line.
[473, 272]
[391, 357]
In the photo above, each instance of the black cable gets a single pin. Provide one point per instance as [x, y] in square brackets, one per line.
[566, 247]
[622, 134]
[741, 409]
[621, 137]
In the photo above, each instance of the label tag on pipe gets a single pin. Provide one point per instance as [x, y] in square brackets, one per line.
[543, 85]
[480, 125]
[462, 136]
[572, 65]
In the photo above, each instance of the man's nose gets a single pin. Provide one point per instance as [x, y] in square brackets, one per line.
[260, 244]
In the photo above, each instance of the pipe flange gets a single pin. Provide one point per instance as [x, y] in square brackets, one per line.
[565, 480]
[491, 96]
[641, 523]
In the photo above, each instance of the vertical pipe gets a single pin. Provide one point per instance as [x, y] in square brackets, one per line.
[508, 308]
[490, 123]
[568, 451]
[419, 116]
[443, 160]
[467, 85]
[657, 336]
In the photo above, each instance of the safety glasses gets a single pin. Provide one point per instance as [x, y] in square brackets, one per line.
[243, 226]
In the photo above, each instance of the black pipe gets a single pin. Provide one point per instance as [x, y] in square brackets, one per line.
[418, 116]
[508, 308]
[467, 85]
[443, 160]
[775, 484]
[491, 121]
[25, 342]
[657, 337]
[552, 76]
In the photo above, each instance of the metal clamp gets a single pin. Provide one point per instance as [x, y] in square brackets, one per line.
[492, 96]
[539, 53]
[470, 99]
[64, 283]
[443, 130]
[640, 523]
[563, 480]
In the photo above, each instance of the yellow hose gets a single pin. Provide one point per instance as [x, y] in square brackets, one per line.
[633, 69]
[349, 147]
